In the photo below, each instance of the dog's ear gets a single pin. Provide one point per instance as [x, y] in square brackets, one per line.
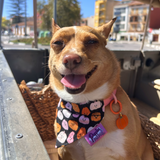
[55, 27]
[106, 28]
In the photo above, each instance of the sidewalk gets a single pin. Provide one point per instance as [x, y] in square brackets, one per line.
[155, 45]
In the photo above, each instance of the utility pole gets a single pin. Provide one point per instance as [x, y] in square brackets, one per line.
[25, 18]
[1, 10]
[35, 22]
[146, 26]
[55, 11]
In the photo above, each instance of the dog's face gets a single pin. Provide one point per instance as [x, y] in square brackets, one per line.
[81, 67]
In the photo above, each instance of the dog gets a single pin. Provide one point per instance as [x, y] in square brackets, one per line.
[83, 72]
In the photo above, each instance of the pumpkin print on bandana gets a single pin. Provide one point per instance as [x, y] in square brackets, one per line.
[74, 121]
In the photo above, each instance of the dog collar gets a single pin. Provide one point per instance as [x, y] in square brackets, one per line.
[74, 121]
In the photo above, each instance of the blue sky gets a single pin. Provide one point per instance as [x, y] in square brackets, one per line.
[87, 8]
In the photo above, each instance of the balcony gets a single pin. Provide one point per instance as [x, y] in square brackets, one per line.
[102, 9]
[136, 19]
[144, 13]
[135, 30]
[134, 22]
[102, 16]
[100, 24]
[134, 13]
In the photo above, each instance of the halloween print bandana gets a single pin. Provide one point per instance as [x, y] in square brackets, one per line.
[74, 121]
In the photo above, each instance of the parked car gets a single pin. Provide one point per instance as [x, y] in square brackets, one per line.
[112, 39]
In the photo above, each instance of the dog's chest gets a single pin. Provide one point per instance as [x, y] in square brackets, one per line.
[111, 146]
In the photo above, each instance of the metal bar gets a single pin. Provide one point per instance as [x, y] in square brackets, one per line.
[55, 11]
[146, 26]
[1, 11]
[35, 22]
[19, 138]
[25, 18]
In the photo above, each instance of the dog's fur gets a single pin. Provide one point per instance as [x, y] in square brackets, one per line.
[88, 43]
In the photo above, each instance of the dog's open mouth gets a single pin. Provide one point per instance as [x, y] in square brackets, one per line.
[75, 84]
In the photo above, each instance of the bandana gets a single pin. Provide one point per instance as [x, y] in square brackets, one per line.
[74, 121]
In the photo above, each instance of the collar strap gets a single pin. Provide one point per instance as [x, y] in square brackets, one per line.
[108, 100]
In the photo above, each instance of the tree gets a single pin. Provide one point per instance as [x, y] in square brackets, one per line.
[40, 5]
[5, 23]
[68, 12]
[45, 10]
[17, 10]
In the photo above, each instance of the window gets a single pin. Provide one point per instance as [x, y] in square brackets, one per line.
[140, 10]
[101, 6]
[134, 26]
[136, 19]
[125, 2]
[139, 18]
[117, 25]
[138, 27]
[134, 10]
[122, 26]
[101, 21]
[101, 13]
[118, 19]
[123, 18]
[123, 10]
[118, 11]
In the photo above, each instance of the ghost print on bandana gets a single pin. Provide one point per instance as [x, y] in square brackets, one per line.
[74, 121]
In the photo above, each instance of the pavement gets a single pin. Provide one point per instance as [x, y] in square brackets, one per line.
[132, 45]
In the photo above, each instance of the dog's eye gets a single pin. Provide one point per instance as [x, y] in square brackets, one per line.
[92, 42]
[58, 43]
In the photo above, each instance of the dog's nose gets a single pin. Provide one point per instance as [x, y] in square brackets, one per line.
[71, 61]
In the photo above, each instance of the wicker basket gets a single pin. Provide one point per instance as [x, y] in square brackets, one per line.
[152, 131]
[42, 106]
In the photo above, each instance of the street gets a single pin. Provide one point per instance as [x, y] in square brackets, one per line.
[112, 45]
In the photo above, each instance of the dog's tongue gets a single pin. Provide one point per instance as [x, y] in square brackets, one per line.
[73, 81]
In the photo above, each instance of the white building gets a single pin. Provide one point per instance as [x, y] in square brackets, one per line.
[132, 19]
[121, 11]
[19, 28]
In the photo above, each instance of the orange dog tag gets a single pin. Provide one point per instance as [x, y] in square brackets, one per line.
[122, 121]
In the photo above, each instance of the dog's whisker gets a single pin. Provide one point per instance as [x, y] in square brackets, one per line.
[46, 76]
[45, 65]
[95, 62]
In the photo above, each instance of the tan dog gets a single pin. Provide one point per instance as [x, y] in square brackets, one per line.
[81, 51]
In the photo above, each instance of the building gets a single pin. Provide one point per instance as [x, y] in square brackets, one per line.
[103, 11]
[89, 21]
[137, 16]
[154, 25]
[19, 28]
[121, 11]
[132, 19]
